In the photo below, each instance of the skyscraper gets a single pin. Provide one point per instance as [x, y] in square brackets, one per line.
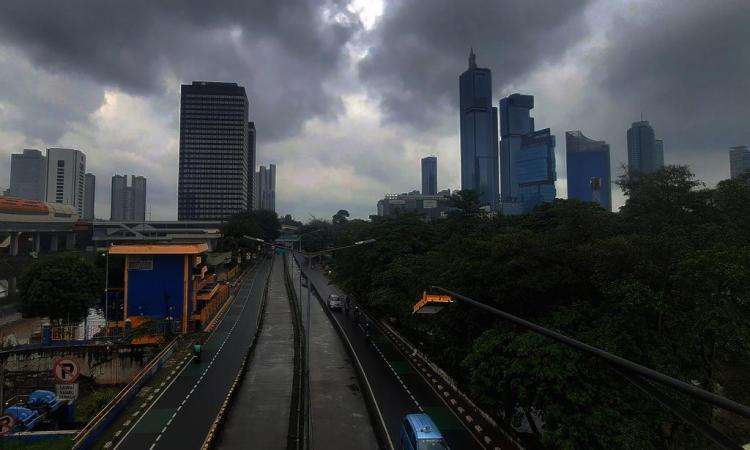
[478, 120]
[89, 196]
[429, 175]
[251, 166]
[214, 180]
[535, 169]
[515, 122]
[739, 160]
[28, 175]
[128, 202]
[645, 152]
[66, 169]
[266, 189]
[588, 159]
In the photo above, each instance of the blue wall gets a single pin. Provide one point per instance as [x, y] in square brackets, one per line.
[582, 166]
[147, 289]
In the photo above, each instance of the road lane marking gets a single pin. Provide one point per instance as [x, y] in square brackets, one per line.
[151, 406]
[216, 355]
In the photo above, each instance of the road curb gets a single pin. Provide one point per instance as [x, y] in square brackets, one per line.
[218, 422]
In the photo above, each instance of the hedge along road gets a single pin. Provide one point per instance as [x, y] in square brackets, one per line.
[183, 413]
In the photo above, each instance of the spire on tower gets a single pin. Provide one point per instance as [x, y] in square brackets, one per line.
[472, 59]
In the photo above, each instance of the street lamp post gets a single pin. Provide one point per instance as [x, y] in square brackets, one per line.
[106, 293]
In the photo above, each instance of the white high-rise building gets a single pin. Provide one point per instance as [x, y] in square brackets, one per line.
[66, 177]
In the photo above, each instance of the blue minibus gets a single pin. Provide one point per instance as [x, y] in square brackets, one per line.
[418, 432]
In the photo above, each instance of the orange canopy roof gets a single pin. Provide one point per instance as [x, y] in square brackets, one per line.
[158, 249]
[20, 205]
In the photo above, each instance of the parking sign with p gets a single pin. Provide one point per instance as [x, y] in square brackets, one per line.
[66, 370]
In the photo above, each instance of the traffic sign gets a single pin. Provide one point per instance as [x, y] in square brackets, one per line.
[67, 391]
[66, 370]
[6, 423]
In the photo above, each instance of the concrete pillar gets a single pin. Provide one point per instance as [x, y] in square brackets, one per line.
[54, 242]
[37, 243]
[70, 241]
[15, 237]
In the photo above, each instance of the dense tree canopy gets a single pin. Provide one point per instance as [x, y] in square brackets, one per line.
[62, 287]
[261, 224]
[665, 282]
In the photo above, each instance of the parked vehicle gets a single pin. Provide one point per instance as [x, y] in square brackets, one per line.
[334, 302]
[26, 419]
[43, 401]
[419, 432]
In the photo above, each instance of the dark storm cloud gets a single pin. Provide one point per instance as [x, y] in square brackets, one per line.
[282, 52]
[686, 66]
[421, 46]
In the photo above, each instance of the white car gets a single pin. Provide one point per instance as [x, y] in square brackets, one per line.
[334, 302]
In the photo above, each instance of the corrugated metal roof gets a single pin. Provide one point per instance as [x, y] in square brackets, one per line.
[158, 249]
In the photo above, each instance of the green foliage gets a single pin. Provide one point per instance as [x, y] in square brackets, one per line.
[665, 283]
[262, 224]
[62, 287]
[91, 404]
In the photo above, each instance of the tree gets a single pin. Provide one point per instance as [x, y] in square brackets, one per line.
[466, 200]
[341, 217]
[262, 224]
[289, 220]
[62, 287]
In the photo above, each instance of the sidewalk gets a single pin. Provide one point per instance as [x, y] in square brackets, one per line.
[259, 416]
[340, 419]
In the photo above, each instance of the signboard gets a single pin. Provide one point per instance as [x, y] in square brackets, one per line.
[6, 423]
[141, 262]
[67, 391]
[66, 370]
[431, 303]
[429, 204]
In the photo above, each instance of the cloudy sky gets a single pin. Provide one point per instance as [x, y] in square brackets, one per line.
[348, 96]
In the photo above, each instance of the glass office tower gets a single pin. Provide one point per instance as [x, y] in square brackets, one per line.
[429, 175]
[479, 166]
[535, 169]
[515, 122]
[588, 160]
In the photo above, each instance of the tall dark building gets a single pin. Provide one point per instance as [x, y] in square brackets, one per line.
[515, 123]
[28, 175]
[479, 167]
[214, 179]
[251, 165]
[589, 176]
[128, 202]
[89, 196]
[429, 175]
[645, 152]
[266, 188]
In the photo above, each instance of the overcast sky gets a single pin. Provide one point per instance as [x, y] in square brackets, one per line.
[347, 97]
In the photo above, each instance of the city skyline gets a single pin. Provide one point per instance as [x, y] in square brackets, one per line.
[364, 110]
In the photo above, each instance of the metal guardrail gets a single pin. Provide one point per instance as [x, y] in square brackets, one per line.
[300, 440]
[95, 425]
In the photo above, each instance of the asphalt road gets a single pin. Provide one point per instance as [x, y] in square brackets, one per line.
[398, 388]
[181, 416]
